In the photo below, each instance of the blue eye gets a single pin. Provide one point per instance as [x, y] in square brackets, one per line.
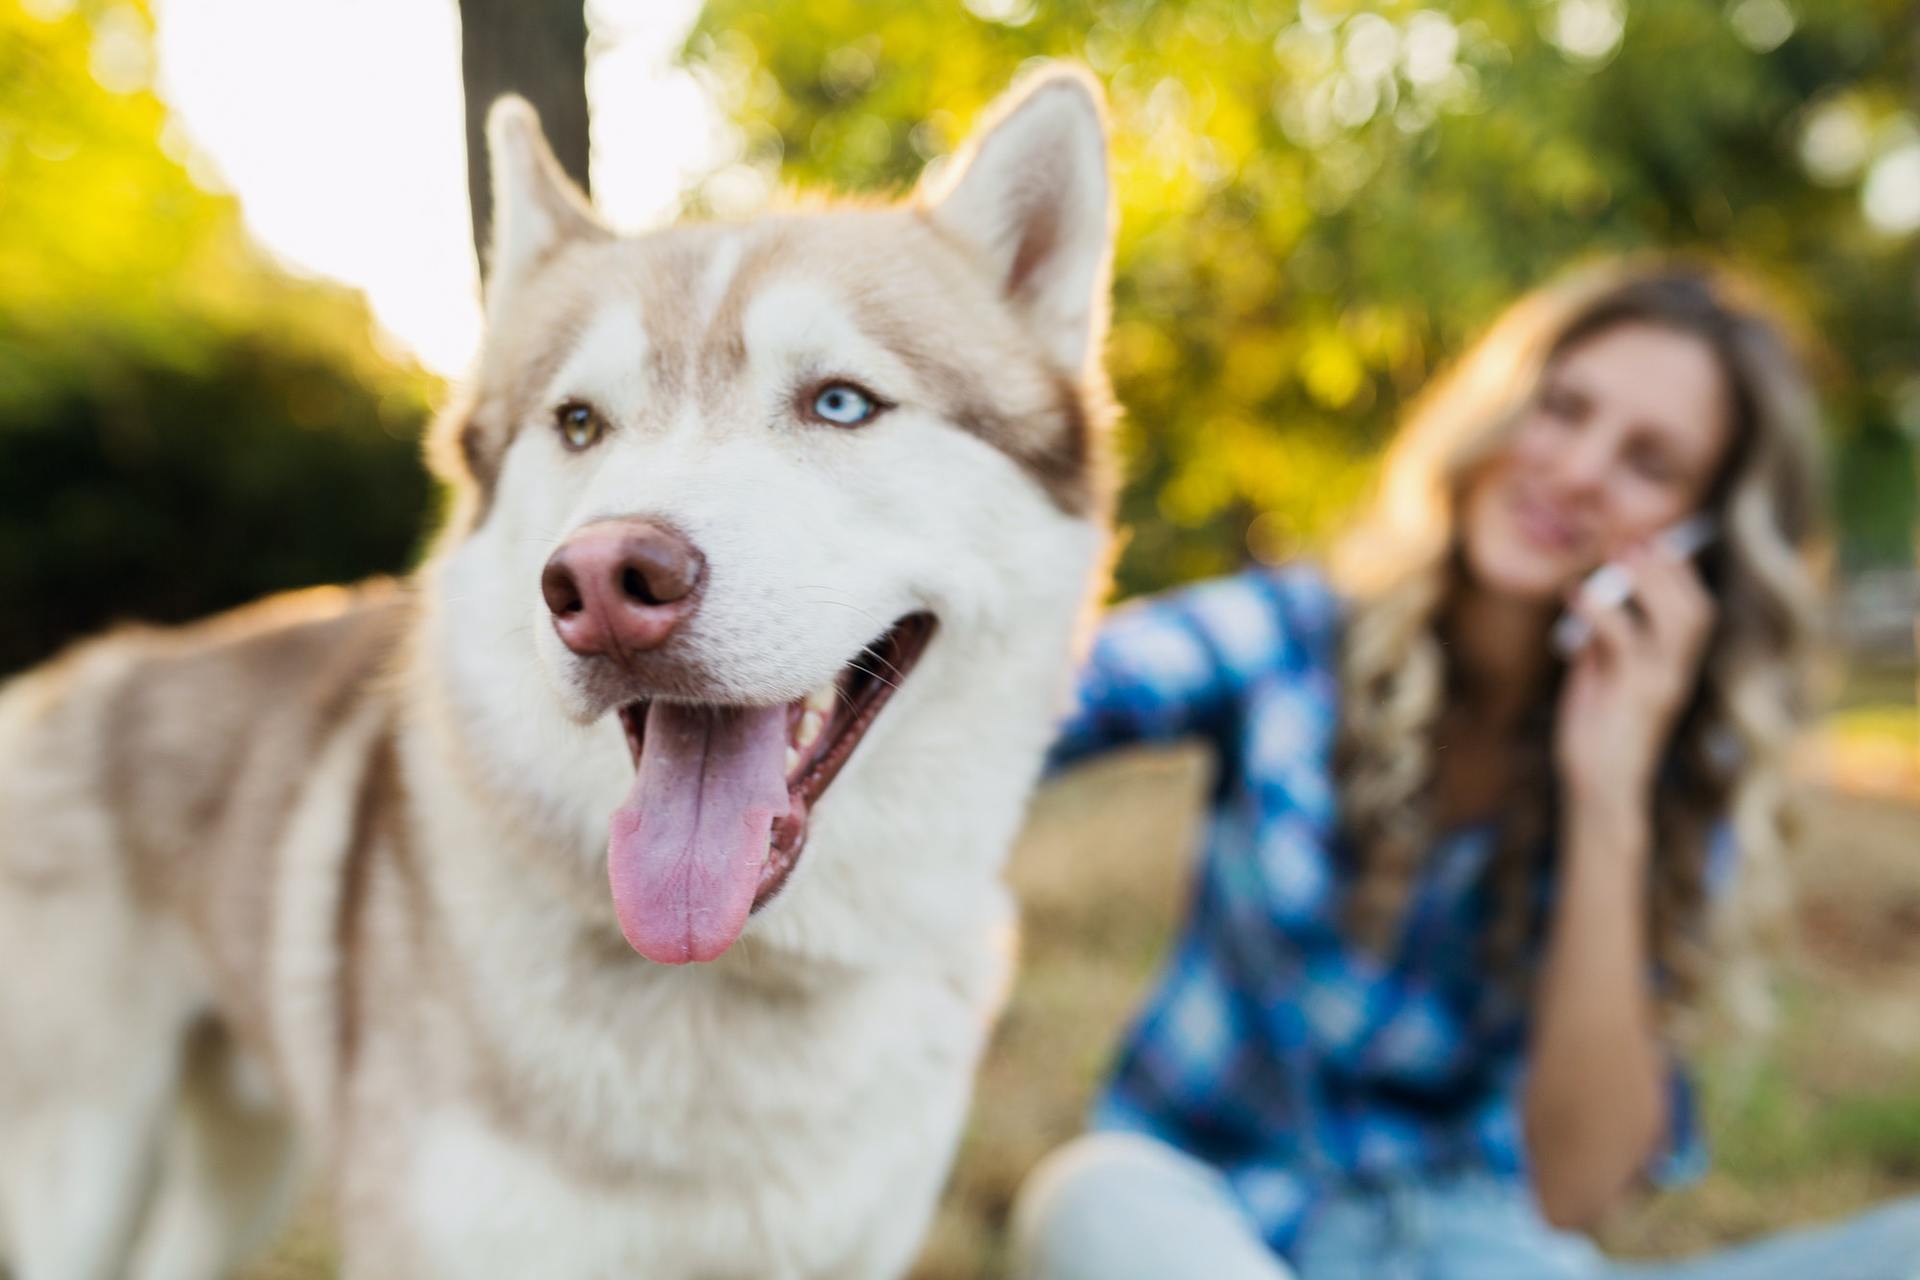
[843, 405]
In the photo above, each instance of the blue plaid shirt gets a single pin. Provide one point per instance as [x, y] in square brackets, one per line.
[1273, 1048]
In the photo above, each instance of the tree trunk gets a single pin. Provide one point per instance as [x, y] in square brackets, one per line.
[537, 49]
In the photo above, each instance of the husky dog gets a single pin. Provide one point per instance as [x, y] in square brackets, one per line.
[770, 542]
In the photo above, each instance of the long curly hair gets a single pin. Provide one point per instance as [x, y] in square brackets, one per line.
[1401, 564]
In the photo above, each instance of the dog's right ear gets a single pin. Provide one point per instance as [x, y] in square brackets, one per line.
[1031, 191]
[536, 208]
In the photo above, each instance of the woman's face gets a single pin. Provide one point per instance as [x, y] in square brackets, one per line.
[1624, 438]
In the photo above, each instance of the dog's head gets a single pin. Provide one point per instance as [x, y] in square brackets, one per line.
[729, 485]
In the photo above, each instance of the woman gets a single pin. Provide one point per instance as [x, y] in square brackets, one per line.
[1460, 893]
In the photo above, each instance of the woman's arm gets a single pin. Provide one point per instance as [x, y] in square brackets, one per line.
[1595, 1106]
[1173, 666]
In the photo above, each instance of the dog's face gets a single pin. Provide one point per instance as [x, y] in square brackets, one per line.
[729, 485]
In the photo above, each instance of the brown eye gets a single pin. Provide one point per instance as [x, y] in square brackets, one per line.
[1651, 464]
[1563, 404]
[580, 427]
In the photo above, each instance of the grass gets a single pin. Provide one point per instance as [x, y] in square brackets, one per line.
[1823, 1120]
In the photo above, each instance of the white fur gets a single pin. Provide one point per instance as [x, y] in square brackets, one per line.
[1042, 170]
[887, 950]
[306, 957]
[74, 1123]
[608, 366]
[534, 207]
[721, 266]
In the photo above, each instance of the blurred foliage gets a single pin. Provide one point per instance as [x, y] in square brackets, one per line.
[1323, 202]
[183, 426]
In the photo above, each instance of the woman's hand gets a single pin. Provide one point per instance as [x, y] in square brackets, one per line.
[1595, 1103]
[1626, 688]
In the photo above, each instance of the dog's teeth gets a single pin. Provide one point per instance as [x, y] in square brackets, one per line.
[811, 723]
[793, 759]
[821, 699]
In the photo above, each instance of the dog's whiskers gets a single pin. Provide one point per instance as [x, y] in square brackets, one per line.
[868, 671]
[866, 613]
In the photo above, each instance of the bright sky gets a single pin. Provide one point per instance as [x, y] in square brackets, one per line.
[339, 125]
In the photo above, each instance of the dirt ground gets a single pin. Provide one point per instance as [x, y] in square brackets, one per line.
[1822, 1119]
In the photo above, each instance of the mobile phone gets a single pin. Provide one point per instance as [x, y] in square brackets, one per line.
[1611, 585]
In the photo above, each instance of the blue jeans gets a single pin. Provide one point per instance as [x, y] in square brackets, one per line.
[1118, 1206]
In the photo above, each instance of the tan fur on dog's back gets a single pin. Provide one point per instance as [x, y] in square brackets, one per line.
[146, 781]
[196, 742]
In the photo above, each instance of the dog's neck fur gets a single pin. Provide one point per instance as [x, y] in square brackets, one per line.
[898, 903]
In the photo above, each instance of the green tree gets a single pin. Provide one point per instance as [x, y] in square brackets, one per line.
[182, 426]
[1323, 202]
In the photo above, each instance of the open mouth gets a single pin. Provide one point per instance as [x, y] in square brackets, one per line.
[717, 817]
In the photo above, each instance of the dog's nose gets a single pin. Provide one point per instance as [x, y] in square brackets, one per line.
[619, 586]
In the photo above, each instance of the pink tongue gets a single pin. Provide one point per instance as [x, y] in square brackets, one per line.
[689, 844]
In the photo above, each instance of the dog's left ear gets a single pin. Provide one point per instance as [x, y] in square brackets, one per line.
[1031, 191]
[537, 209]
